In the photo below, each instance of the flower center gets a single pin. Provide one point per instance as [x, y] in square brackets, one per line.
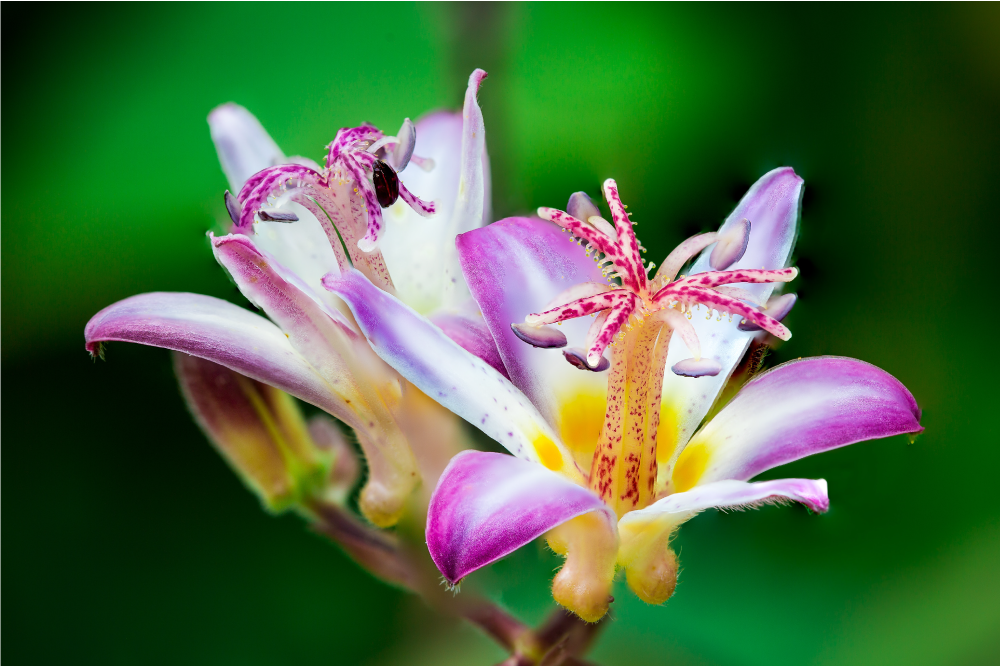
[637, 316]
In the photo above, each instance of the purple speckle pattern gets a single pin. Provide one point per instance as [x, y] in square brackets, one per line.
[487, 505]
[459, 380]
[473, 336]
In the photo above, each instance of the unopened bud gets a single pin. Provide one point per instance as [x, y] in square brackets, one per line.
[345, 468]
[590, 544]
[650, 564]
[257, 428]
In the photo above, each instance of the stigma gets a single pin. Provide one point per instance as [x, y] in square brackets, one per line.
[358, 178]
[630, 297]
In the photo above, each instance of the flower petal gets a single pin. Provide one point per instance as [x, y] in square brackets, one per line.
[460, 381]
[515, 267]
[334, 348]
[735, 495]
[472, 336]
[218, 331]
[244, 146]
[487, 505]
[420, 251]
[797, 409]
[772, 207]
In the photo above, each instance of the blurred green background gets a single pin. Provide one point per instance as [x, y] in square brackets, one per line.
[129, 541]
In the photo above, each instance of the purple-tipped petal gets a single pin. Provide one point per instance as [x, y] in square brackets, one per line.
[515, 267]
[403, 150]
[797, 409]
[458, 380]
[421, 251]
[218, 331]
[543, 337]
[577, 357]
[472, 336]
[244, 146]
[333, 347]
[470, 204]
[487, 505]
[778, 308]
[731, 246]
[703, 367]
[772, 206]
[582, 207]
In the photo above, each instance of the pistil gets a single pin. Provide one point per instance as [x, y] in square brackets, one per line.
[623, 471]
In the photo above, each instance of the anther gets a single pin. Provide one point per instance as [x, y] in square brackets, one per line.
[731, 246]
[691, 367]
[777, 308]
[233, 207]
[578, 358]
[277, 216]
[544, 337]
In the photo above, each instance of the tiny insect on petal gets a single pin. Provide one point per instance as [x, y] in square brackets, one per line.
[386, 183]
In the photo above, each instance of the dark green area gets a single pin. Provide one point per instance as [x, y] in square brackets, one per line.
[128, 541]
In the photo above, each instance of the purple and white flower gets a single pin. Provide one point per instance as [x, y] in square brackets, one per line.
[294, 222]
[607, 467]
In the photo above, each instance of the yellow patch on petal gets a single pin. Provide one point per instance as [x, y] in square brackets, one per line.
[548, 452]
[666, 435]
[581, 417]
[690, 467]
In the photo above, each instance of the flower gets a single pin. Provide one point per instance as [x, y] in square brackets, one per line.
[605, 465]
[288, 221]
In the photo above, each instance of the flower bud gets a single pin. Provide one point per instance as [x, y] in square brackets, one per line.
[590, 544]
[257, 428]
[650, 564]
[345, 468]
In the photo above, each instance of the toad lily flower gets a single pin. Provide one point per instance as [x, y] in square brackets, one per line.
[604, 465]
[288, 221]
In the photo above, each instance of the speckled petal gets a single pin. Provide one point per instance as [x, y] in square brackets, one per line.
[458, 380]
[421, 251]
[515, 267]
[772, 206]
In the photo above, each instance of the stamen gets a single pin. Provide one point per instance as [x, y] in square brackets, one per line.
[603, 225]
[731, 246]
[381, 142]
[403, 151]
[578, 359]
[543, 337]
[777, 308]
[425, 163]
[706, 367]
[277, 216]
[233, 207]
[582, 207]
